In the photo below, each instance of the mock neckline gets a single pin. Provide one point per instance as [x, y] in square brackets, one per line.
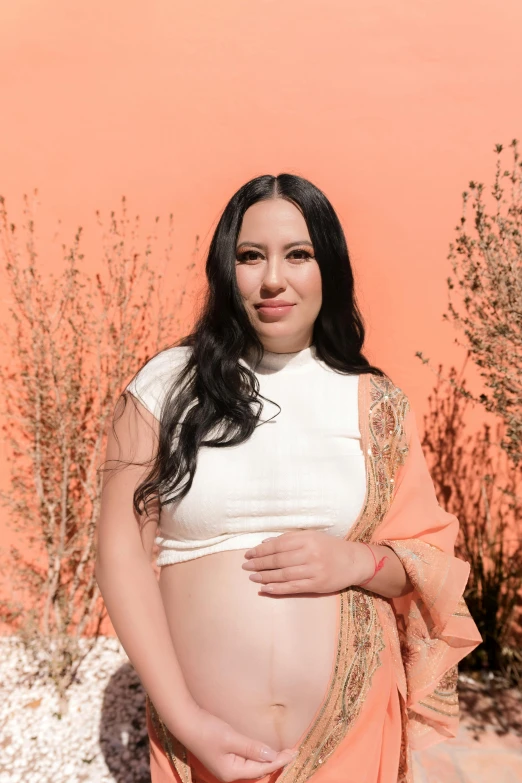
[271, 361]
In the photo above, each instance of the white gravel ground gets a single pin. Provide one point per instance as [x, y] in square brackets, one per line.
[102, 738]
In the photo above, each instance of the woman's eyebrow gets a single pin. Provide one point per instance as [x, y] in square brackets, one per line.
[285, 247]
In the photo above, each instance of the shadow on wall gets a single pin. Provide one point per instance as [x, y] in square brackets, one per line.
[475, 481]
[123, 728]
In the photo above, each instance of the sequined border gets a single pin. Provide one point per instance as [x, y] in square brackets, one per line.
[382, 408]
[444, 700]
[359, 644]
[175, 751]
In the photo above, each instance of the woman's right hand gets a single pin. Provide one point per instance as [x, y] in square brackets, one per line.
[226, 753]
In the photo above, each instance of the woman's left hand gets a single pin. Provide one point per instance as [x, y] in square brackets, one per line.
[308, 561]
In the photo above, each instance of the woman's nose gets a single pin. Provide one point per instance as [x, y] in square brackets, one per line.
[274, 273]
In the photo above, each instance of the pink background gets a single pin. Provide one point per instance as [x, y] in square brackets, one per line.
[390, 108]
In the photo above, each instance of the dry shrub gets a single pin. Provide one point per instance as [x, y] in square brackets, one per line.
[72, 342]
[475, 480]
[478, 478]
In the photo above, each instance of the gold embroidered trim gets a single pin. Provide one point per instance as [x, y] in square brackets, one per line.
[454, 712]
[175, 751]
[444, 698]
[405, 773]
[360, 642]
[384, 439]
[382, 408]
[461, 609]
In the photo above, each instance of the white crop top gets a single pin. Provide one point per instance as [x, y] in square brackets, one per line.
[303, 470]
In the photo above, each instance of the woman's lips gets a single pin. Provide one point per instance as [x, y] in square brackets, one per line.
[275, 311]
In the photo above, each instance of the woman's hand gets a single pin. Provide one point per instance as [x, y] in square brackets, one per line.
[225, 752]
[308, 561]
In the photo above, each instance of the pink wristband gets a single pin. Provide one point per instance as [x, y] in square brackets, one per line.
[377, 566]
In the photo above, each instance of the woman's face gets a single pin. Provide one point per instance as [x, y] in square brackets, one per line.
[275, 261]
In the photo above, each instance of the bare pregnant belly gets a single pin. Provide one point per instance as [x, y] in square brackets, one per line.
[260, 662]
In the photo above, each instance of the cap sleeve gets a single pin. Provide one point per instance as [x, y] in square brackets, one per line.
[152, 382]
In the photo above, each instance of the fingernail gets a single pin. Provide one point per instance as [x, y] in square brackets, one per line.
[268, 755]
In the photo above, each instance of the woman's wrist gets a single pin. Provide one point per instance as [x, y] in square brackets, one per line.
[368, 564]
[381, 570]
[182, 720]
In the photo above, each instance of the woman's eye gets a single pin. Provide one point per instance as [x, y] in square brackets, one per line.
[247, 255]
[244, 256]
[304, 253]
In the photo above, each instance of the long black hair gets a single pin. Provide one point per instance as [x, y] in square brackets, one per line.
[213, 395]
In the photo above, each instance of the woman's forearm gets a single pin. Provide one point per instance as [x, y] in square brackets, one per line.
[133, 599]
[390, 580]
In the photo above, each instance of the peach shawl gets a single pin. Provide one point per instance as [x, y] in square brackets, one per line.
[430, 629]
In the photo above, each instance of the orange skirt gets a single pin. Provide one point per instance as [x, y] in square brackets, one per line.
[357, 734]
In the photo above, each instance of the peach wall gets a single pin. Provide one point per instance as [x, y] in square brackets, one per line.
[390, 108]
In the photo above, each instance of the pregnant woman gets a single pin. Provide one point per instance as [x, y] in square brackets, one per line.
[308, 617]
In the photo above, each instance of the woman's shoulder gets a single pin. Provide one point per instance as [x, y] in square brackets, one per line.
[383, 386]
[165, 361]
[152, 381]
[387, 400]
